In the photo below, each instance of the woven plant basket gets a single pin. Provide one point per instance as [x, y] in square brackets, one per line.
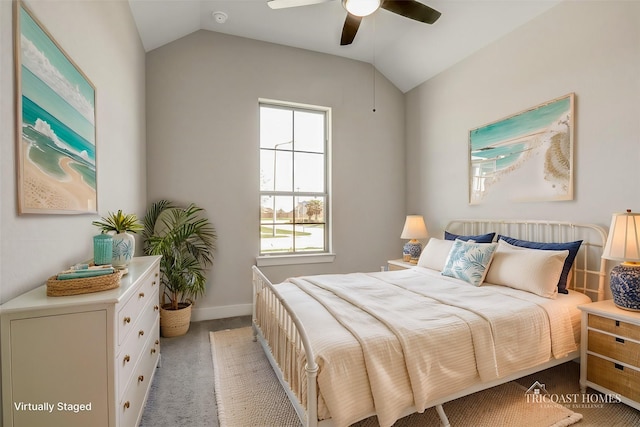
[174, 323]
[61, 288]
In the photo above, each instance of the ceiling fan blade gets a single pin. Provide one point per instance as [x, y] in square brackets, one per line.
[350, 28]
[412, 9]
[283, 4]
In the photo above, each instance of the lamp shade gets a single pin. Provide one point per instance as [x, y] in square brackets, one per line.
[623, 241]
[414, 228]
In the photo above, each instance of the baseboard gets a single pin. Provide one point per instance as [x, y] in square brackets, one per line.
[221, 312]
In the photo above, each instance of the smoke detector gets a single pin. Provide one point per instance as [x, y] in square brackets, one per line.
[220, 17]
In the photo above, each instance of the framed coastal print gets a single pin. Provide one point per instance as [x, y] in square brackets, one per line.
[525, 157]
[56, 124]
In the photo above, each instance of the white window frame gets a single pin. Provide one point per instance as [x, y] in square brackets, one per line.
[303, 257]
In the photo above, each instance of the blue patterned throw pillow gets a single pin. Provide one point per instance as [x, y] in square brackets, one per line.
[469, 261]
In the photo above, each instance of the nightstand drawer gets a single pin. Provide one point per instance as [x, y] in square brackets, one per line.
[617, 348]
[617, 327]
[617, 378]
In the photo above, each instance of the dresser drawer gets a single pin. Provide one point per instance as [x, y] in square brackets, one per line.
[617, 378]
[131, 404]
[131, 352]
[616, 327]
[621, 349]
[131, 309]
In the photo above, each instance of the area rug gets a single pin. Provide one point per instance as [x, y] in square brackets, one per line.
[248, 394]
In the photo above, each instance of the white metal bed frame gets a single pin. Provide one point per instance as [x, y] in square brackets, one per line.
[292, 337]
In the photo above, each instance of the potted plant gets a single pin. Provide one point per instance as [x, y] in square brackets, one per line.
[186, 240]
[123, 243]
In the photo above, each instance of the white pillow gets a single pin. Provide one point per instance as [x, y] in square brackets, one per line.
[434, 255]
[532, 270]
[469, 261]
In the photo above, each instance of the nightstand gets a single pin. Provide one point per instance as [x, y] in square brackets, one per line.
[610, 351]
[398, 264]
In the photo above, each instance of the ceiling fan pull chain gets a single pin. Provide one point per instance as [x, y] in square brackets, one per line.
[373, 64]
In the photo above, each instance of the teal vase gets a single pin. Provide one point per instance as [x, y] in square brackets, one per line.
[102, 249]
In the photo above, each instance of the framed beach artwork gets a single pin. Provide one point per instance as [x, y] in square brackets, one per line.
[56, 132]
[525, 157]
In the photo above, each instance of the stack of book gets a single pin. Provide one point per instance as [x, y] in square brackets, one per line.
[82, 271]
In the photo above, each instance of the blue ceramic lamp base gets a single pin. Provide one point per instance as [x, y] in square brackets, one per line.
[625, 286]
[413, 248]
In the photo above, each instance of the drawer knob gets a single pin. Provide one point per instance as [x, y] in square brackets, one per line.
[126, 405]
[156, 308]
[620, 340]
[140, 333]
[156, 274]
[140, 378]
[618, 366]
[153, 350]
[127, 358]
[141, 294]
[153, 283]
[127, 319]
[157, 342]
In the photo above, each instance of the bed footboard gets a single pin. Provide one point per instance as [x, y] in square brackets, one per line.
[286, 345]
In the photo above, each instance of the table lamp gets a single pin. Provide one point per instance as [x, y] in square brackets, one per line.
[414, 229]
[623, 244]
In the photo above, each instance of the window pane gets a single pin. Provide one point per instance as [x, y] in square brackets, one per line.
[310, 209]
[278, 239]
[276, 126]
[309, 131]
[272, 161]
[283, 168]
[266, 210]
[309, 172]
[266, 170]
[309, 237]
[284, 209]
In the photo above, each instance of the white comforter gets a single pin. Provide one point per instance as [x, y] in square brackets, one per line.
[388, 341]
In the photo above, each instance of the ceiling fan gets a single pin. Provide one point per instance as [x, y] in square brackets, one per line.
[358, 9]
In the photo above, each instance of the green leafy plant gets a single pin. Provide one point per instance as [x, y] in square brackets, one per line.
[119, 223]
[186, 241]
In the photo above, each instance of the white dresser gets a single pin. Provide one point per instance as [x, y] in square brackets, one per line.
[83, 360]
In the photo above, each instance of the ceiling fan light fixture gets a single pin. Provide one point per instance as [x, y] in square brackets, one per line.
[361, 7]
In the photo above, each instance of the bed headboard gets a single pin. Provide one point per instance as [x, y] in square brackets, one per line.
[589, 269]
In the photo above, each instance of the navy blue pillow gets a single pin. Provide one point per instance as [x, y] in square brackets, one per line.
[572, 247]
[481, 238]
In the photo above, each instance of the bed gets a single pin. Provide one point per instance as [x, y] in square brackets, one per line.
[349, 346]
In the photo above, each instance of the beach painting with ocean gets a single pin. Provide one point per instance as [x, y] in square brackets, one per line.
[525, 157]
[57, 129]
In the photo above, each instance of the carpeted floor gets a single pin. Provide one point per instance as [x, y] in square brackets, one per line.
[182, 394]
[182, 391]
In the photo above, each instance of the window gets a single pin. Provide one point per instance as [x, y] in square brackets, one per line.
[294, 198]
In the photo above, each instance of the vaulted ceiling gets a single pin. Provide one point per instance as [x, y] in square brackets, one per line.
[407, 52]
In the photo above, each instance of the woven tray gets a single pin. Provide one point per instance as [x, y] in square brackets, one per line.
[61, 288]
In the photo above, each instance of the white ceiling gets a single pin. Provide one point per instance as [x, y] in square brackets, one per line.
[405, 51]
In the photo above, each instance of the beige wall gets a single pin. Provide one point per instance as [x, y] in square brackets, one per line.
[102, 39]
[590, 48]
[202, 124]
